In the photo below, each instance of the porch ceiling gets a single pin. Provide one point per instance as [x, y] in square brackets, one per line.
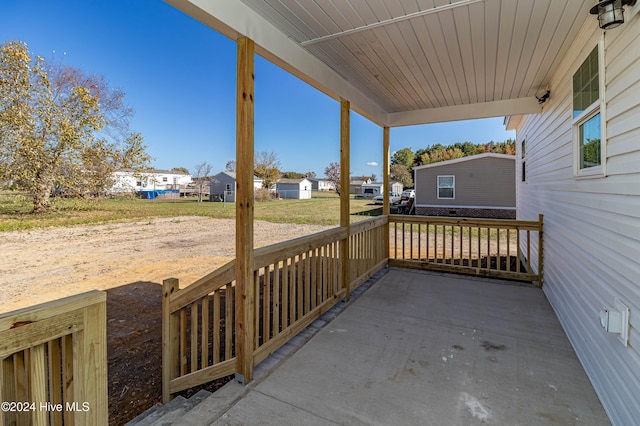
[403, 62]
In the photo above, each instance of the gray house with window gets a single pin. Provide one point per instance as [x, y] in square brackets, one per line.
[223, 186]
[480, 185]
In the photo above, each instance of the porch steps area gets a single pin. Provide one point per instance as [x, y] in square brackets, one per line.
[170, 413]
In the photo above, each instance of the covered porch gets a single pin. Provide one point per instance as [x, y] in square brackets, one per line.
[417, 347]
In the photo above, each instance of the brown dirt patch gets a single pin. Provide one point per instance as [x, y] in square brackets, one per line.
[129, 261]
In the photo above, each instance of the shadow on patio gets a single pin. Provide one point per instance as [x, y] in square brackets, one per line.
[420, 348]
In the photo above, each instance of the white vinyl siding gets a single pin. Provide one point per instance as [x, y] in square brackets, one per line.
[592, 226]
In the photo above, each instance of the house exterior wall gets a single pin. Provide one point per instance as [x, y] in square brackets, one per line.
[321, 185]
[127, 181]
[223, 187]
[591, 225]
[484, 187]
[325, 185]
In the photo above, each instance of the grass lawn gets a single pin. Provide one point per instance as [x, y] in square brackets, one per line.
[15, 211]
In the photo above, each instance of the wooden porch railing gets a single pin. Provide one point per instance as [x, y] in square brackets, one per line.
[198, 331]
[367, 252]
[295, 282]
[53, 362]
[483, 247]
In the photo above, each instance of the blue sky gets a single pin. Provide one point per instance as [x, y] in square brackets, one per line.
[179, 76]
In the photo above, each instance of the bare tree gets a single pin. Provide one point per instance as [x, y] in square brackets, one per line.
[230, 166]
[267, 167]
[202, 171]
[332, 172]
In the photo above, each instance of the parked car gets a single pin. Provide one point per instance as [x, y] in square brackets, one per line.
[394, 198]
[408, 193]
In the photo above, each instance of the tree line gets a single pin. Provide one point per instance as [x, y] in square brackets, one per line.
[404, 160]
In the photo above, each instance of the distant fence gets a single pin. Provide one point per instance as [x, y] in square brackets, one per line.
[53, 363]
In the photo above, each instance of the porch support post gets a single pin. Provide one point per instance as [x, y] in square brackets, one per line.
[345, 178]
[245, 297]
[386, 156]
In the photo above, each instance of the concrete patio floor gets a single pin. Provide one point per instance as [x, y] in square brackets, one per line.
[419, 348]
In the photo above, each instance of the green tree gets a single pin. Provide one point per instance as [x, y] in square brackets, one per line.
[399, 173]
[292, 175]
[60, 128]
[180, 170]
[404, 156]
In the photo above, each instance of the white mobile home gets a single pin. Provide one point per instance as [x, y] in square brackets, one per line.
[579, 165]
[129, 180]
[322, 185]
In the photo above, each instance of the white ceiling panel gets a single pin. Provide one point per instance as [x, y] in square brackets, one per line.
[409, 58]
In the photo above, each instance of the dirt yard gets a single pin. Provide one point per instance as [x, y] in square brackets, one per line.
[129, 261]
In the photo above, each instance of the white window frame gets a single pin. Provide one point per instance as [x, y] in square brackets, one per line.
[453, 187]
[523, 161]
[598, 106]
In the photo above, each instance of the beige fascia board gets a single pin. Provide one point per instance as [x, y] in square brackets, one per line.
[466, 112]
[233, 19]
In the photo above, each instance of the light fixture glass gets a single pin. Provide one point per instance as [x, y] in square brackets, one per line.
[610, 12]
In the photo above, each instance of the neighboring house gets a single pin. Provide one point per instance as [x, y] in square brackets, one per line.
[298, 189]
[579, 165]
[356, 182]
[480, 185]
[370, 190]
[321, 185]
[223, 186]
[129, 180]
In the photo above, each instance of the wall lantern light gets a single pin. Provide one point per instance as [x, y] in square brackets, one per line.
[610, 12]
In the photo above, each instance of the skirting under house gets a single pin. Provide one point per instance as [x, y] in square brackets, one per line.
[489, 213]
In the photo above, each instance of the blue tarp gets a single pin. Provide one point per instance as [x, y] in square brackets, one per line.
[151, 194]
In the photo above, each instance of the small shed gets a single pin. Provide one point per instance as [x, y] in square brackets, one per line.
[482, 185]
[298, 189]
[223, 186]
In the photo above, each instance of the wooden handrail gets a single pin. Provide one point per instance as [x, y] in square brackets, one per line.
[482, 223]
[205, 285]
[268, 255]
[368, 224]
